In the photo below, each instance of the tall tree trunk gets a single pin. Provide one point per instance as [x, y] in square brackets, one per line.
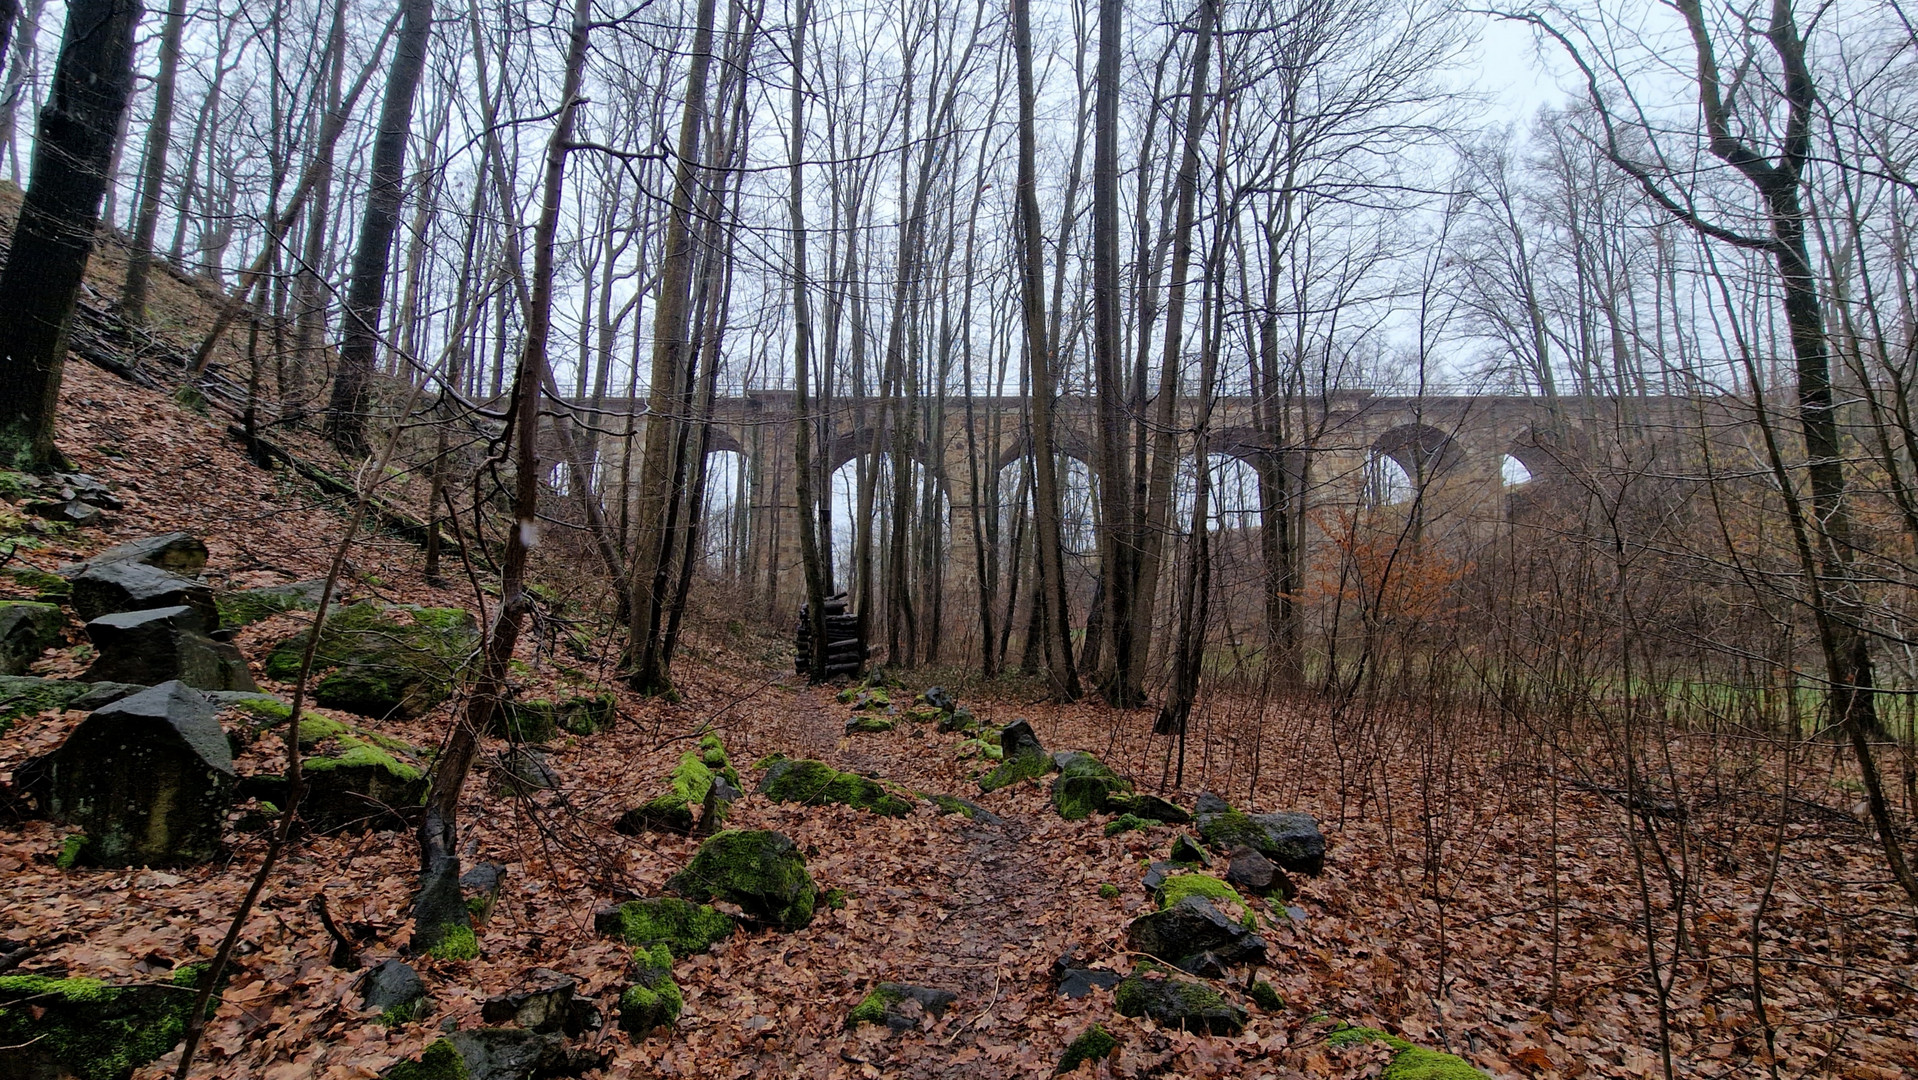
[803, 464]
[133, 296]
[1061, 675]
[667, 395]
[91, 83]
[1119, 681]
[366, 288]
[440, 909]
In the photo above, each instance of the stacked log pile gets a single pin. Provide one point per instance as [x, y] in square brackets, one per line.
[845, 649]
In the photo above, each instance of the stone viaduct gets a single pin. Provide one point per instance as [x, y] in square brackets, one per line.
[1364, 449]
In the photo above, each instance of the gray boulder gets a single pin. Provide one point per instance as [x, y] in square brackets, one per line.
[104, 588]
[1177, 1003]
[1291, 838]
[1195, 935]
[26, 631]
[497, 1053]
[1021, 758]
[395, 989]
[545, 1001]
[148, 779]
[760, 871]
[178, 552]
[157, 645]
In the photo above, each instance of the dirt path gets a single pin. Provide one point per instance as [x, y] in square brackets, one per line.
[989, 892]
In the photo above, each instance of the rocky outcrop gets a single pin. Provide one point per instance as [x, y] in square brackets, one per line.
[1195, 935]
[148, 778]
[1020, 758]
[158, 645]
[1085, 785]
[1177, 1003]
[104, 588]
[383, 661]
[26, 630]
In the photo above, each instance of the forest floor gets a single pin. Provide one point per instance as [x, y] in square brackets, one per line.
[1476, 897]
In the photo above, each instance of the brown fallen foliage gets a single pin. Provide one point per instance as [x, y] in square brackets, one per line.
[1476, 896]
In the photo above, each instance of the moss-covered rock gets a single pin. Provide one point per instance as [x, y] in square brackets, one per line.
[21, 696]
[26, 631]
[868, 725]
[1084, 785]
[1177, 1003]
[88, 1028]
[1195, 935]
[1266, 997]
[1291, 839]
[1127, 823]
[759, 870]
[440, 1061]
[674, 810]
[357, 779]
[248, 606]
[886, 1004]
[1093, 1044]
[1179, 886]
[48, 588]
[1022, 758]
[683, 927]
[384, 661]
[712, 754]
[1409, 1062]
[653, 999]
[588, 714]
[815, 783]
[526, 721]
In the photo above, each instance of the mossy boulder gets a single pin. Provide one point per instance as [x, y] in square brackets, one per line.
[1177, 1003]
[652, 1000]
[526, 721]
[1128, 823]
[440, 1061]
[712, 754]
[22, 696]
[815, 783]
[397, 661]
[358, 779]
[148, 778]
[1291, 839]
[587, 714]
[1151, 807]
[90, 1029]
[153, 645]
[899, 1006]
[868, 725]
[1093, 1044]
[26, 631]
[674, 810]
[244, 607]
[966, 808]
[759, 870]
[175, 552]
[1084, 786]
[1021, 758]
[1179, 886]
[683, 927]
[1193, 934]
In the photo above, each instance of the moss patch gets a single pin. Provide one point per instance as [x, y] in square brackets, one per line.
[654, 999]
[872, 1008]
[398, 660]
[1128, 823]
[94, 1030]
[1094, 1044]
[1015, 769]
[1108, 891]
[1179, 886]
[440, 1061]
[684, 928]
[356, 752]
[1409, 1062]
[456, 943]
[1266, 997]
[815, 783]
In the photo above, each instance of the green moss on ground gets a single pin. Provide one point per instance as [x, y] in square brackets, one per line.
[815, 783]
[872, 1008]
[440, 1061]
[1179, 886]
[684, 928]
[1108, 891]
[1409, 1062]
[456, 943]
[1128, 823]
[1094, 1044]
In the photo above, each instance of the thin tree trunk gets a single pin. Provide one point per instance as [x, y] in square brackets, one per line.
[133, 296]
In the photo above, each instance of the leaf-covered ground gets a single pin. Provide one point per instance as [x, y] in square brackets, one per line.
[1479, 894]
